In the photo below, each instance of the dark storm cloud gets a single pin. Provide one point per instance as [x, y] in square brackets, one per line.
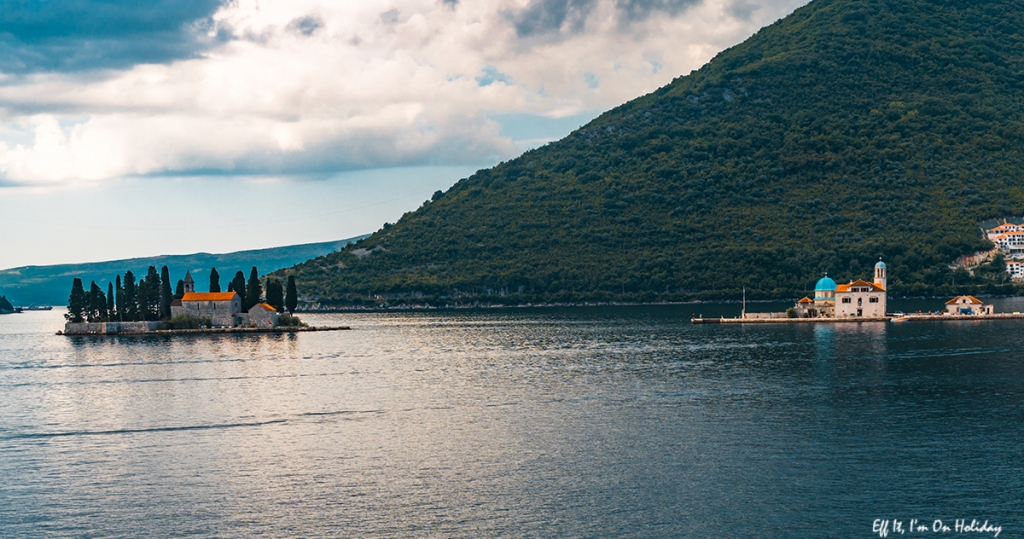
[556, 16]
[76, 35]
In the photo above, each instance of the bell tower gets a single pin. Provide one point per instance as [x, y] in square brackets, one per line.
[190, 285]
[880, 277]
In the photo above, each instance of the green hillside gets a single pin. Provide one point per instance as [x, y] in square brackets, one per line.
[850, 130]
[50, 285]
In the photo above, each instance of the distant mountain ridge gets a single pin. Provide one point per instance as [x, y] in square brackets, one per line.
[847, 131]
[50, 285]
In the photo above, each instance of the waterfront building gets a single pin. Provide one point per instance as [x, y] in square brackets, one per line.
[967, 305]
[855, 299]
[262, 315]
[222, 308]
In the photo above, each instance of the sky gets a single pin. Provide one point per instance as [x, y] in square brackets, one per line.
[144, 127]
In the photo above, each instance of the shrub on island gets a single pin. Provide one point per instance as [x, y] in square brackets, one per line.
[187, 321]
[289, 321]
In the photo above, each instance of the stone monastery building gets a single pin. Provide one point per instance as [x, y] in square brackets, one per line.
[224, 309]
[856, 299]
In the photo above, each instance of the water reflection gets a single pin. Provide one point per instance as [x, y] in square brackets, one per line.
[559, 422]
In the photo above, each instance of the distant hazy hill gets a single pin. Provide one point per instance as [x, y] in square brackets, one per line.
[50, 285]
[850, 130]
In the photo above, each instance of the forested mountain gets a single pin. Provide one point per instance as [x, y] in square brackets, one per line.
[850, 130]
[49, 285]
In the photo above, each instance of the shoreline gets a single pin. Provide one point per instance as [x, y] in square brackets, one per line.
[211, 331]
[555, 305]
[850, 320]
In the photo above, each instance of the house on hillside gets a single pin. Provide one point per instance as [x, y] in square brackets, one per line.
[967, 305]
[856, 299]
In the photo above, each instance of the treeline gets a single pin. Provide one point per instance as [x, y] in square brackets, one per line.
[150, 298]
[5, 306]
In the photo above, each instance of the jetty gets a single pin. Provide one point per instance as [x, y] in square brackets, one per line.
[896, 317]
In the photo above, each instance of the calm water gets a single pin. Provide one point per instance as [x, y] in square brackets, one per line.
[623, 422]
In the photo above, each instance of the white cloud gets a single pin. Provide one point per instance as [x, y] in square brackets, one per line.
[316, 86]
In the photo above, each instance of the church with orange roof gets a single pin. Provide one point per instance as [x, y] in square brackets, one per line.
[856, 299]
[222, 308]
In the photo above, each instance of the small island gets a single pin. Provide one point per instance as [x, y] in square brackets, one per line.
[148, 306]
[6, 307]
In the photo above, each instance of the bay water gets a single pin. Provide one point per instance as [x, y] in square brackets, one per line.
[581, 422]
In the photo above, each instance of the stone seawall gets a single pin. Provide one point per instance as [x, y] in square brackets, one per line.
[111, 328]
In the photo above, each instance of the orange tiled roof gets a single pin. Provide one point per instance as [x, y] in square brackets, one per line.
[972, 299]
[806, 300]
[265, 306]
[858, 282]
[209, 296]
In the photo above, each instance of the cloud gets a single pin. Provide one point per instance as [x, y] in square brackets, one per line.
[68, 35]
[306, 86]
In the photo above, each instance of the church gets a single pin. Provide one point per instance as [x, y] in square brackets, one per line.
[222, 308]
[855, 299]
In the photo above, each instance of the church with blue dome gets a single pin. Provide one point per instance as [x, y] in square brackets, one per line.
[856, 299]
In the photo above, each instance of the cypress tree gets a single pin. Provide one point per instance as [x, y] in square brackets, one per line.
[110, 301]
[292, 297]
[97, 303]
[119, 302]
[214, 280]
[153, 305]
[131, 306]
[179, 289]
[165, 293]
[275, 294]
[238, 286]
[253, 291]
[76, 302]
[142, 300]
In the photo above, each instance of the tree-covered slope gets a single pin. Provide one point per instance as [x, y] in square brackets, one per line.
[850, 130]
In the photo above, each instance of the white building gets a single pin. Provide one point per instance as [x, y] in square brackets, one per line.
[1015, 268]
[856, 299]
[967, 305]
[1004, 228]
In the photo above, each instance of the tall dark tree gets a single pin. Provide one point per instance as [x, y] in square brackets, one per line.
[149, 296]
[253, 291]
[291, 299]
[110, 301]
[119, 303]
[238, 286]
[165, 293]
[144, 299]
[76, 302]
[131, 305]
[179, 289]
[275, 294]
[214, 280]
[97, 304]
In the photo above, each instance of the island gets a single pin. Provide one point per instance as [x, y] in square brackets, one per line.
[130, 308]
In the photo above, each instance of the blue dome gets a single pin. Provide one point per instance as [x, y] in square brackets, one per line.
[825, 284]
[880, 265]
